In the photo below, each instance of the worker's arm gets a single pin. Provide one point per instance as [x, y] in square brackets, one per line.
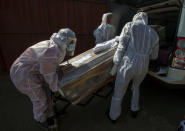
[122, 47]
[105, 45]
[123, 43]
[48, 67]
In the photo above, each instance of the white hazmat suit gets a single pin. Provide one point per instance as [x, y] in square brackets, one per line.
[38, 64]
[138, 43]
[105, 31]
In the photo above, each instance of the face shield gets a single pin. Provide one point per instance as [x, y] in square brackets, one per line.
[66, 40]
[71, 47]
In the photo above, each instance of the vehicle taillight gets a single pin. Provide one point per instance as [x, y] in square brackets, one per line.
[179, 58]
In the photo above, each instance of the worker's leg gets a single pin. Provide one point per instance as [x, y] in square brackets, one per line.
[50, 110]
[122, 80]
[40, 105]
[43, 107]
[41, 100]
[136, 92]
[37, 96]
[51, 117]
[32, 86]
[135, 97]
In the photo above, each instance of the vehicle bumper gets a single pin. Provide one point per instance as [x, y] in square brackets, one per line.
[172, 77]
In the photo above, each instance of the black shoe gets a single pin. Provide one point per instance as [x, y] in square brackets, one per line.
[50, 123]
[44, 124]
[134, 114]
[112, 121]
[180, 128]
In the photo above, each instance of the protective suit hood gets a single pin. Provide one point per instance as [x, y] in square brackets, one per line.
[141, 17]
[66, 40]
[106, 31]
[105, 19]
[63, 37]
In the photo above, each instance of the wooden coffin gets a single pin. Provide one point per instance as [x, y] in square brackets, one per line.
[85, 75]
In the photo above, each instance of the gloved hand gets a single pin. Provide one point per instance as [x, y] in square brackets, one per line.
[114, 70]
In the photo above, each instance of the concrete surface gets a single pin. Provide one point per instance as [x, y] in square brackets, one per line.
[161, 110]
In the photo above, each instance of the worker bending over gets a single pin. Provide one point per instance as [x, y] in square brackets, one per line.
[38, 65]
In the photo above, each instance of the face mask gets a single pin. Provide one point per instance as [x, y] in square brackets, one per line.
[109, 26]
[70, 50]
[71, 47]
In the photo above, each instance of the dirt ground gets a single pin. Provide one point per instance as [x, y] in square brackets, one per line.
[162, 109]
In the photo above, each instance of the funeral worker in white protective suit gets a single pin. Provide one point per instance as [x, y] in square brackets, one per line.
[38, 65]
[106, 31]
[138, 43]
